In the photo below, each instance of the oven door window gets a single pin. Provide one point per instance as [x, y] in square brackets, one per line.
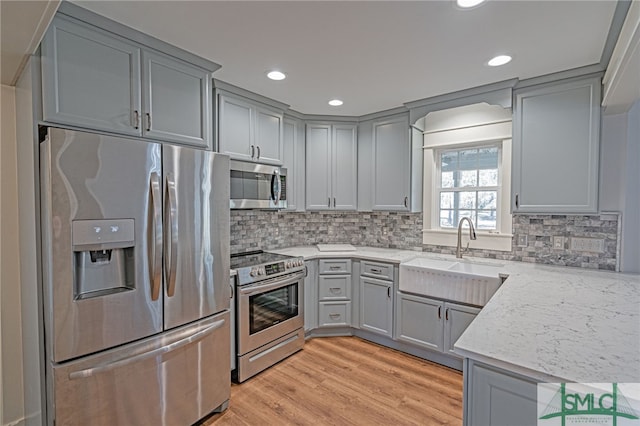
[272, 307]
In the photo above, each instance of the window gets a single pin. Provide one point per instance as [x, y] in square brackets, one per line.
[468, 186]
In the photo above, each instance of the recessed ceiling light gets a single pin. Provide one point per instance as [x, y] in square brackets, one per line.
[499, 60]
[335, 102]
[466, 4]
[276, 75]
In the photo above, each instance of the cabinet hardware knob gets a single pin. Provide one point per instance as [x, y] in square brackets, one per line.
[136, 119]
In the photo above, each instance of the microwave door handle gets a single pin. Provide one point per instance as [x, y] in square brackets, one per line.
[171, 252]
[156, 240]
[276, 187]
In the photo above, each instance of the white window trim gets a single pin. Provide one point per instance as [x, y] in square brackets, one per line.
[432, 234]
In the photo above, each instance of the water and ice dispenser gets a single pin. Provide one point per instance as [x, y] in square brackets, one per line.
[104, 261]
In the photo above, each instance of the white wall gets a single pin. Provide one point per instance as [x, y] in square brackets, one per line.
[631, 210]
[12, 401]
[620, 179]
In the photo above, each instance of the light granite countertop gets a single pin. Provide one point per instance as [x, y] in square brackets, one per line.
[549, 323]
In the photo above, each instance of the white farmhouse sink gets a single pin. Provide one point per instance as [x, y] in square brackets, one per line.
[464, 282]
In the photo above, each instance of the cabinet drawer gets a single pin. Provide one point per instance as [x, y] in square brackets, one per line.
[334, 287]
[383, 271]
[335, 266]
[334, 314]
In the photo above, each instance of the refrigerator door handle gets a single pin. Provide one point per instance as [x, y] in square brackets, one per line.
[171, 250]
[156, 243]
[122, 362]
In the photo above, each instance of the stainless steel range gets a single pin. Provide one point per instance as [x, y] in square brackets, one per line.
[270, 310]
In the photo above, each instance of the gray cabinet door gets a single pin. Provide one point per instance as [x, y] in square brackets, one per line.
[293, 147]
[235, 128]
[177, 101]
[457, 318]
[376, 306]
[268, 136]
[318, 164]
[345, 171]
[311, 295]
[497, 398]
[556, 137]
[391, 164]
[90, 78]
[420, 321]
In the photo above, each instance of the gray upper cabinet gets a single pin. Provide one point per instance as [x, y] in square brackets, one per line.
[391, 171]
[331, 167]
[92, 79]
[293, 161]
[556, 147]
[177, 100]
[248, 131]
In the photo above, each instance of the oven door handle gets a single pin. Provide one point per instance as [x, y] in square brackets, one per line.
[270, 286]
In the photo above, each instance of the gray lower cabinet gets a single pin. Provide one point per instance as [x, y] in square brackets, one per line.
[311, 295]
[331, 166]
[334, 292]
[556, 139]
[92, 79]
[248, 131]
[376, 297]
[431, 323]
[496, 397]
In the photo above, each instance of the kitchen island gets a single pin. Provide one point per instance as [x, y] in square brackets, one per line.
[544, 324]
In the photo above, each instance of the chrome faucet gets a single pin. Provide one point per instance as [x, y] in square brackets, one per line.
[472, 236]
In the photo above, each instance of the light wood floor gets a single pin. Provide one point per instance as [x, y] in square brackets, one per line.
[347, 381]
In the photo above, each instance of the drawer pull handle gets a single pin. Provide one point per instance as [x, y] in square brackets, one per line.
[334, 316]
[376, 271]
[334, 268]
[335, 290]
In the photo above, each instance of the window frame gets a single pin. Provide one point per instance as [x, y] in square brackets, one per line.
[438, 189]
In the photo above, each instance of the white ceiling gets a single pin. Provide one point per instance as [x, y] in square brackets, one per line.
[373, 55]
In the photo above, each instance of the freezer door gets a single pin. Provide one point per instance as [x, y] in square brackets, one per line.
[173, 379]
[101, 241]
[196, 234]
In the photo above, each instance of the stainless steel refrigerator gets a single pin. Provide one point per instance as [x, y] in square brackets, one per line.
[135, 280]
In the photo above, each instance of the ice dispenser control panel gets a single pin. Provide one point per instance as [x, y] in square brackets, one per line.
[103, 231]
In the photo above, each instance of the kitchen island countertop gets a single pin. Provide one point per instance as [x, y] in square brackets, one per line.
[549, 323]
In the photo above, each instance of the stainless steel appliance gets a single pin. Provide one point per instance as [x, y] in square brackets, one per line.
[270, 310]
[257, 186]
[136, 280]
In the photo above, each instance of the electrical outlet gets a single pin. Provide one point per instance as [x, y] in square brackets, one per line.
[558, 243]
[522, 240]
[594, 245]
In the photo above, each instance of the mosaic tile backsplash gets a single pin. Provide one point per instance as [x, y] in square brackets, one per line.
[258, 229]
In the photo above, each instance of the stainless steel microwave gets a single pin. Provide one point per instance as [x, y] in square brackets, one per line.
[257, 186]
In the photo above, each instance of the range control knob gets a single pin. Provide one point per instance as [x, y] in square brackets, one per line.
[253, 272]
[261, 271]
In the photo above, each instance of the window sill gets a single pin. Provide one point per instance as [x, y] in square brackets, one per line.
[484, 241]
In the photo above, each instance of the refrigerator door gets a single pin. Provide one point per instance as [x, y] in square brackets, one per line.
[102, 241]
[173, 379]
[196, 234]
